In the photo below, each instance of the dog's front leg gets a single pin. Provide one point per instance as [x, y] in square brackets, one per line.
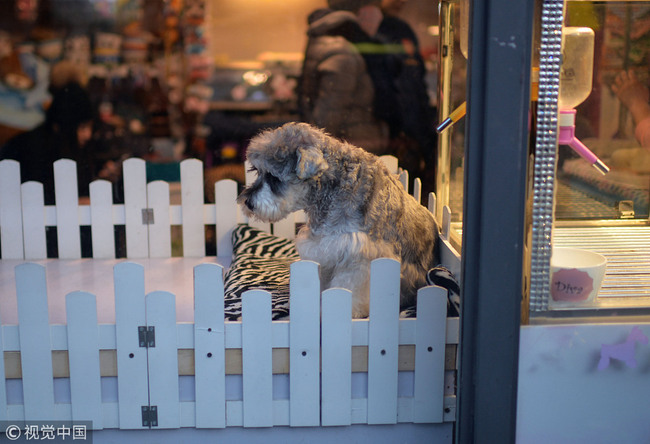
[356, 278]
[344, 262]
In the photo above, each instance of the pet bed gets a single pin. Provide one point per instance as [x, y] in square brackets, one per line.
[262, 261]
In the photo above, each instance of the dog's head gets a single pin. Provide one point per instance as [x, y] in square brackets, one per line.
[288, 161]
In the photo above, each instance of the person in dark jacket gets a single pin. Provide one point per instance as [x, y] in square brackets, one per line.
[337, 93]
[415, 141]
[65, 133]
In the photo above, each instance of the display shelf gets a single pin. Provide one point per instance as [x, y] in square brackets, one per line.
[627, 249]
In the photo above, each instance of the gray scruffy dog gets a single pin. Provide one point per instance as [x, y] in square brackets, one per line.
[357, 211]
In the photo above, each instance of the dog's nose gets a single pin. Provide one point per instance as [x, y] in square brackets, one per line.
[249, 204]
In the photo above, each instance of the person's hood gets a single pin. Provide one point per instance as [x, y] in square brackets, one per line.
[329, 22]
[318, 14]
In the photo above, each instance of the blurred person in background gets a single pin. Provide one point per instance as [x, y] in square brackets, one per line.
[337, 92]
[413, 136]
[634, 95]
[65, 133]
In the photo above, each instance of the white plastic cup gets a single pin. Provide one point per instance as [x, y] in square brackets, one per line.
[576, 276]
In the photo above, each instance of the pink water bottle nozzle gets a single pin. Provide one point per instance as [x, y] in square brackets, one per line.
[567, 137]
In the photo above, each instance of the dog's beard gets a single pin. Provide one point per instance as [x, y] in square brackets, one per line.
[267, 206]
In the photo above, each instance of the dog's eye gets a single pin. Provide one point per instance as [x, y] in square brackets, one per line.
[276, 185]
[252, 169]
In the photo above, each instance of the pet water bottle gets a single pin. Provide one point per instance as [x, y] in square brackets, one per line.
[576, 74]
[576, 77]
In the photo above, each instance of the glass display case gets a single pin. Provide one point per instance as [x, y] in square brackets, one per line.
[601, 180]
[619, 43]
[549, 352]
[588, 168]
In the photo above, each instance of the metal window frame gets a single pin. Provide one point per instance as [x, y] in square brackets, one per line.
[496, 164]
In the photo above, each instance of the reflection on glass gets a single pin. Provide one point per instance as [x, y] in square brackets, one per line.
[621, 43]
[604, 101]
[453, 41]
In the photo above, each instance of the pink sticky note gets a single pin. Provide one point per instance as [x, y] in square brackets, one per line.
[571, 284]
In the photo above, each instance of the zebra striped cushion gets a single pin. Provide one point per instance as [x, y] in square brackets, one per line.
[260, 261]
[444, 278]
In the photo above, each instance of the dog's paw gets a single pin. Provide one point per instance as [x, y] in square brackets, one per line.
[360, 311]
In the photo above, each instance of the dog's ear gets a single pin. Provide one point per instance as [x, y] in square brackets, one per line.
[311, 163]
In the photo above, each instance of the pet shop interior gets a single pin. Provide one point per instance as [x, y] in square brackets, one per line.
[138, 303]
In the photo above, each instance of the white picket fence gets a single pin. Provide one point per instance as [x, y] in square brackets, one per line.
[321, 348]
[146, 213]
[323, 354]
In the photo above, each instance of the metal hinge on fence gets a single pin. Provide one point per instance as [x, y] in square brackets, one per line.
[149, 416]
[147, 216]
[147, 336]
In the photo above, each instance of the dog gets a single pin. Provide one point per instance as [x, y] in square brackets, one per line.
[356, 209]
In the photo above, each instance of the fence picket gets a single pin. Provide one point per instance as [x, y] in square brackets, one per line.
[257, 359]
[336, 392]
[431, 203]
[11, 223]
[132, 383]
[383, 341]
[67, 209]
[256, 223]
[430, 342]
[192, 204]
[304, 344]
[286, 227]
[160, 237]
[445, 229]
[33, 220]
[225, 193]
[101, 219]
[135, 202]
[35, 349]
[417, 189]
[209, 347]
[163, 359]
[251, 175]
[391, 163]
[404, 179]
[83, 358]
